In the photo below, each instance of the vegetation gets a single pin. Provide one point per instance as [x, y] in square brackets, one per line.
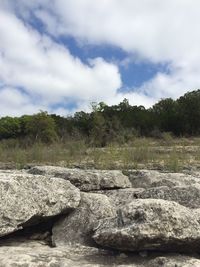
[119, 136]
[172, 154]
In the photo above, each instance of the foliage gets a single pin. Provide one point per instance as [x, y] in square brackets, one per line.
[106, 125]
[41, 127]
[9, 127]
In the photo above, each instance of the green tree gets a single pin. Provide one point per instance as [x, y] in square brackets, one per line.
[9, 127]
[166, 115]
[189, 113]
[41, 127]
[98, 129]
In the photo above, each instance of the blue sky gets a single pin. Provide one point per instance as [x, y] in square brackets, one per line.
[62, 55]
[133, 73]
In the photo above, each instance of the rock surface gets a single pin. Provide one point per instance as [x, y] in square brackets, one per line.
[174, 261]
[26, 199]
[151, 178]
[150, 224]
[78, 226]
[136, 224]
[188, 196]
[122, 197]
[36, 254]
[86, 180]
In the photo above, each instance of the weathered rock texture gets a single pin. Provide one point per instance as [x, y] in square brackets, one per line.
[86, 180]
[174, 261]
[188, 196]
[37, 254]
[150, 224]
[26, 199]
[78, 226]
[122, 197]
[136, 223]
[151, 178]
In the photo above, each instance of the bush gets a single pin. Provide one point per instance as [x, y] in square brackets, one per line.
[41, 128]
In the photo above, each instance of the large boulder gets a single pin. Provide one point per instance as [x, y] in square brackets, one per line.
[78, 226]
[27, 199]
[151, 224]
[86, 180]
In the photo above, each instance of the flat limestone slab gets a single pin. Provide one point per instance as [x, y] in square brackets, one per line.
[86, 180]
[153, 178]
[26, 199]
[36, 254]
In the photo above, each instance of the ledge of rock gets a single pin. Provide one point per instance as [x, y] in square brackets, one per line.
[151, 224]
[152, 178]
[141, 219]
[27, 199]
[188, 196]
[86, 180]
[78, 226]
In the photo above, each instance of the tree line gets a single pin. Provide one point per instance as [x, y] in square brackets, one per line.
[106, 124]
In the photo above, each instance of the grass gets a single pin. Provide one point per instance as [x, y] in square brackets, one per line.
[172, 154]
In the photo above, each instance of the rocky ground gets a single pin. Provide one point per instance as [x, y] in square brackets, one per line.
[54, 216]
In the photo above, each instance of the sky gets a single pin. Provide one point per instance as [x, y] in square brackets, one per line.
[61, 55]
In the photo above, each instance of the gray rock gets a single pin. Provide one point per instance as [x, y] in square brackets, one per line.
[37, 254]
[122, 197]
[151, 224]
[26, 199]
[86, 180]
[77, 227]
[188, 196]
[174, 261]
[151, 178]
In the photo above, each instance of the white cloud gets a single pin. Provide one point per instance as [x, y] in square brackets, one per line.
[15, 103]
[153, 30]
[149, 27]
[47, 71]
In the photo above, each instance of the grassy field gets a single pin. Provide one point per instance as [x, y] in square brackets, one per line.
[165, 154]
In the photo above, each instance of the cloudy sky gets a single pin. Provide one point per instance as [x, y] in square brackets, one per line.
[61, 55]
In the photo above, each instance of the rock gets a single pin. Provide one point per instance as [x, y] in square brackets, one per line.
[17, 253]
[136, 227]
[121, 197]
[77, 227]
[27, 199]
[86, 180]
[150, 178]
[188, 196]
[150, 224]
[36, 254]
[174, 261]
